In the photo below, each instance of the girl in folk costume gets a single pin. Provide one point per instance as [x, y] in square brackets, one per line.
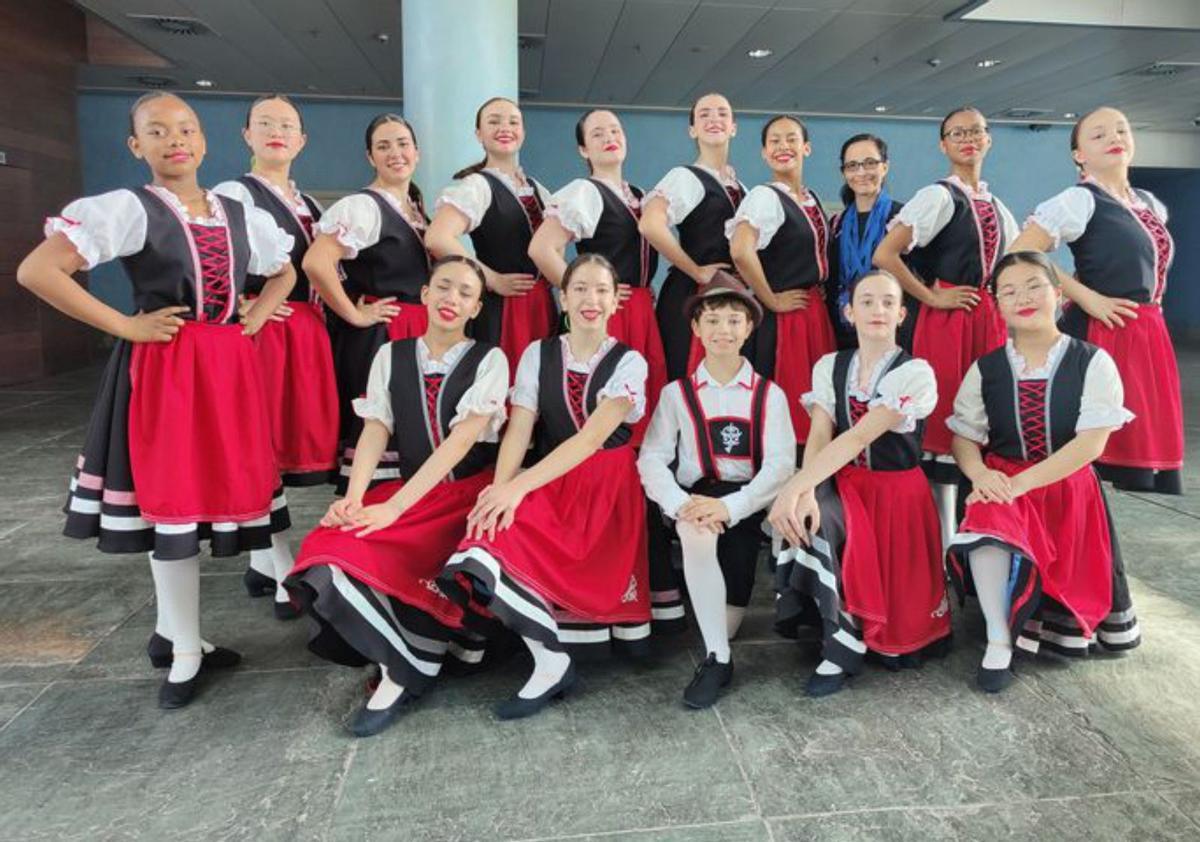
[557, 552]
[601, 214]
[858, 229]
[178, 448]
[718, 449]
[1122, 249]
[293, 347]
[501, 208]
[1037, 538]
[954, 232]
[865, 545]
[697, 199]
[779, 240]
[375, 235]
[365, 574]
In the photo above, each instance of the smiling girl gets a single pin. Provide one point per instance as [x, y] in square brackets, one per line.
[178, 448]
[376, 235]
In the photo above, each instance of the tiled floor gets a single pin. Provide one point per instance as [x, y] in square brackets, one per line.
[1105, 749]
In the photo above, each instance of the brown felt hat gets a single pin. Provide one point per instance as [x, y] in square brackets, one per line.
[724, 286]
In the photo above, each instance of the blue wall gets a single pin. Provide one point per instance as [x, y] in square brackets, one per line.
[1023, 166]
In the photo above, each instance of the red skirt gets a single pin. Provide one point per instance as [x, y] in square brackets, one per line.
[199, 430]
[579, 542]
[635, 325]
[802, 338]
[951, 340]
[892, 575]
[410, 322]
[1062, 529]
[403, 560]
[524, 319]
[1145, 357]
[297, 373]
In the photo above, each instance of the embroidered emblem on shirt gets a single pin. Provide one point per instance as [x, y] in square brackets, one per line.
[731, 437]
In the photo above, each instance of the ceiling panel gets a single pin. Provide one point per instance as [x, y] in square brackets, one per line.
[642, 35]
[577, 33]
[362, 20]
[707, 37]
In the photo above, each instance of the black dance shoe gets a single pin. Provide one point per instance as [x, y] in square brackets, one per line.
[368, 722]
[994, 681]
[519, 708]
[706, 684]
[819, 685]
[160, 651]
[286, 611]
[173, 695]
[257, 585]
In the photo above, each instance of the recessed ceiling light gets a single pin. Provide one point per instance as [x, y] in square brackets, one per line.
[382, 37]
[988, 62]
[204, 83]
[881, 108]
[760, 52]
[1069, 115]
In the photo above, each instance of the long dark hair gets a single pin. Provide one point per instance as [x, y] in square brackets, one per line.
[579, 138]
[880, 144]
[773, 120]
[474, 168]
[414, 192]
[281, 98]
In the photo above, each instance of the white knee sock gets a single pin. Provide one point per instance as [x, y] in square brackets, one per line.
[828, 668]
[989, 569]
[161, 626]
[706, 587]
[386, 693]
[548, 668]
[262, 561]
[282, 561]
[177, 587]
[734, 614]
[945, 496]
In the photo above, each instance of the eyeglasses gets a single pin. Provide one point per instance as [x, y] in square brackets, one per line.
[959, 134]
[271, 126]
[866, 165]
[1034, 290]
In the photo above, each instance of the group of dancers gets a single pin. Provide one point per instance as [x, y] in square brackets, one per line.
[518, 439]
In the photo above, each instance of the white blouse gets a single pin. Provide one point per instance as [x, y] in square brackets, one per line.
[484, 397]
[578, 206]
[909, 388]
[357, 222]
[684, 191]
[932, 207]
[762, 210]
[1066, 216]
[237, 191]
[670, 439]
[473, 194]
[1101, 405]
[113, 224]
[628, 379]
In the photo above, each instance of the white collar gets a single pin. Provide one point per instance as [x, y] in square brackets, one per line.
[743, 378]
[981, 194]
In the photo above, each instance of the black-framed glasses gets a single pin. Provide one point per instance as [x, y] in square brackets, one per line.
[959, 134]
[866, 165]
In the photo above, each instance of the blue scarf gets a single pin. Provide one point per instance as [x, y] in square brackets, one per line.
[856, 250]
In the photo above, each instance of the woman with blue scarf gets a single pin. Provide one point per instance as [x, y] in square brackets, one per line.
[857, 230]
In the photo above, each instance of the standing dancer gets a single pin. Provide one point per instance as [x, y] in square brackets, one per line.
[954, 231]
[376, 237]
[297, 366]
[1037, 538]
[500, 207]
[178, 448]
[779, 239]
[1123, 251]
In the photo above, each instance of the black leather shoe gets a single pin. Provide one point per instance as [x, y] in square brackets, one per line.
[173, 695]
[706, 684]
[160, 651]
[993, 681]
[286, 611]
[519, 708]
[368, 723]
[819, 685]
[258, 585]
